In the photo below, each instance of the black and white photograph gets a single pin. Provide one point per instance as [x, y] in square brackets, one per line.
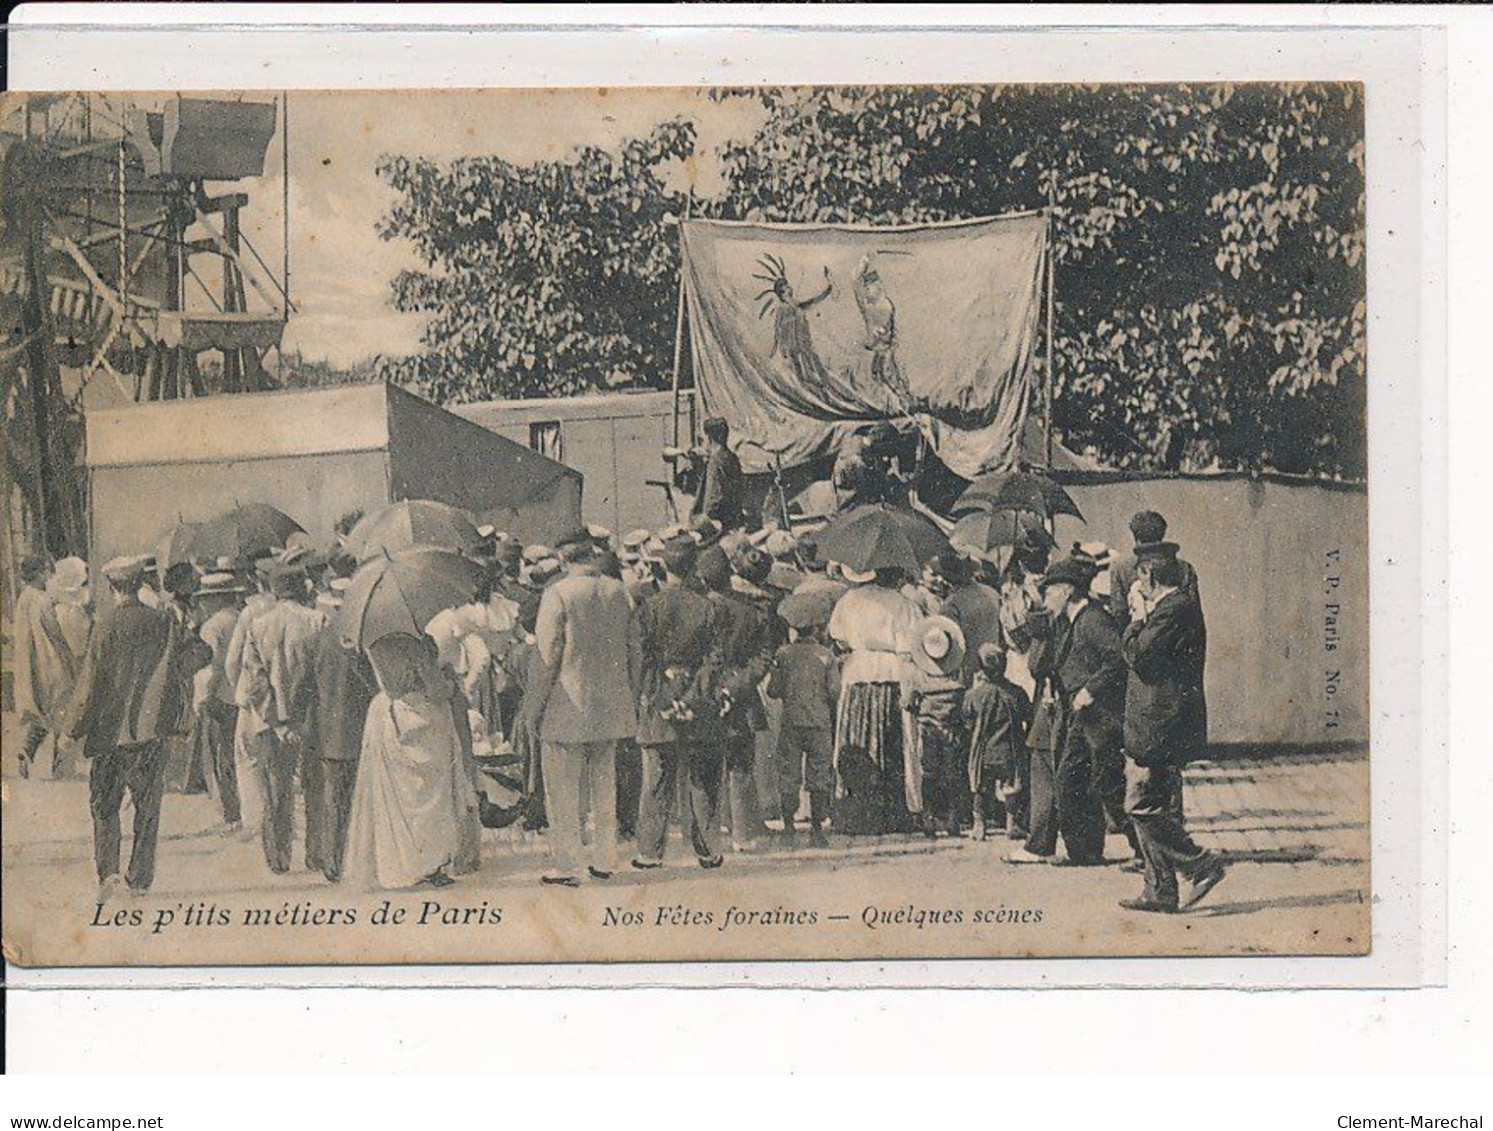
[685, 524]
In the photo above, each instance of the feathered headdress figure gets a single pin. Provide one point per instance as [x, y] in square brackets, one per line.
[775, 274]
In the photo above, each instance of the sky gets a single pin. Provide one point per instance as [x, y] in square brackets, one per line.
[340, 269]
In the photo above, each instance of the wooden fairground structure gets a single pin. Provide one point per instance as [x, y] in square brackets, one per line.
[124, 260]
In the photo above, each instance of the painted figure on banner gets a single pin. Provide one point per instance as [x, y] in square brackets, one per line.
[791, 337]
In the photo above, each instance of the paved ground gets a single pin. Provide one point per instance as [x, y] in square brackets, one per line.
[1294, 829]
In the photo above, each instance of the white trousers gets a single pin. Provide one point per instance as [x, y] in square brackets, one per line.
[575, 774]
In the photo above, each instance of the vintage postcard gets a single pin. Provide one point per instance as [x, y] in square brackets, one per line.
[729, 524]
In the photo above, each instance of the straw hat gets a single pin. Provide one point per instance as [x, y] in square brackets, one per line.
[940, 646]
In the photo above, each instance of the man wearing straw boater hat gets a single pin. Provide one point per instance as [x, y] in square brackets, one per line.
[1166, 726]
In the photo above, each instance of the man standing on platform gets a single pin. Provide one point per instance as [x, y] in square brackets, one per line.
[133, 693]
[720, 494]
[585, 701]
[1166, 726]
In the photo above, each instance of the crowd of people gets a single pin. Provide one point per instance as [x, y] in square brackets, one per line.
[634, 681]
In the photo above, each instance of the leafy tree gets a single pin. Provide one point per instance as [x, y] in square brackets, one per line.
[542, 280]
[1209, 243]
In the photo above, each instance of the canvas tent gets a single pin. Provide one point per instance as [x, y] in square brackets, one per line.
[315, 454]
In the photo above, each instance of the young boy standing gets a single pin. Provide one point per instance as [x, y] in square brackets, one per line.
[805, 678]
[997, 713]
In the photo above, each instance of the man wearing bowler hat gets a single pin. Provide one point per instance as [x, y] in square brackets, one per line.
[1080, 675]
[1166, 726]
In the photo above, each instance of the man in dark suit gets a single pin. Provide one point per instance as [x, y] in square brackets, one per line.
[745, 635]
[675, 625]
[1166, 726]
[344, 687]
[720, 494]
[133, 693]
[1080, 674]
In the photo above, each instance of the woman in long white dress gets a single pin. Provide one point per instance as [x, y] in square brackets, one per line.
[413, 796]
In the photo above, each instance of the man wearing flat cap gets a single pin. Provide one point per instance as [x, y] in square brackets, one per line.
[1080, 675]
[133, 693]
[720, 494]
[1166, 726]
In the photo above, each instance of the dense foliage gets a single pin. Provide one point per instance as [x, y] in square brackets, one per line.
[1209, 241]
[545, 280]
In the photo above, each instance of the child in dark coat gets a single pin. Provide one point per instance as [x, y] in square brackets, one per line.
[997, 714]
[805, 678]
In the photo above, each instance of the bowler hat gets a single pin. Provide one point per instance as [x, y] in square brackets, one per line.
[1155, 551]
[1069, 571]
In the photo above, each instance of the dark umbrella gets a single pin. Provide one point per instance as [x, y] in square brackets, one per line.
[879, 536]
[984, 530]
[411, 523]
[811, 608]
[1018, 490]
[400, 594]
[247, 531]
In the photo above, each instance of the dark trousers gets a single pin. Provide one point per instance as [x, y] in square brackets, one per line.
[988, 808]
[1065, 794]
[36, 734]
[212, 742]
[805, 758]
[338, 780]
[274, 761]
[693, 772]
[945, 774]
[142, 770]
[629, 787]
[313, 790]
[1153, 798]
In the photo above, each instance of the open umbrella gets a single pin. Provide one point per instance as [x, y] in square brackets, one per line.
[411, 523]
[401, 593]
[811, 607]
[878, 536]
[983, 530]
[247, 531]
[1018, 490]
[175, 546]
